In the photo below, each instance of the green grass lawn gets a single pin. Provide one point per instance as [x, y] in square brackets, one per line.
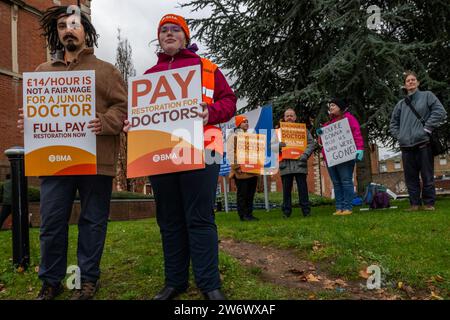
[410, 247]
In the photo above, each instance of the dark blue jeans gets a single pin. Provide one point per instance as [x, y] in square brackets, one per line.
[57, 197]
[185, 215]
[302, 186]
[342, 178]
[417, 162]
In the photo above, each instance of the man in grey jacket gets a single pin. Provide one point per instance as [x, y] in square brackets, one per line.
[298, 169]
[414, 140]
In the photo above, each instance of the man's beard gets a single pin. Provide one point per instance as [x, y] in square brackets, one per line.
[71, 47]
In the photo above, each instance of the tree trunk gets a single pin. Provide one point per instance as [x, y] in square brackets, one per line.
[364, 168]
[122, 180]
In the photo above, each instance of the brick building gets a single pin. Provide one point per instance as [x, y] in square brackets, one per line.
[391, 173]
[22, 49]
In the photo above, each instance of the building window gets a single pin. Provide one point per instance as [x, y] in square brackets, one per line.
[383, 167]
[443, 161]
[397, 165]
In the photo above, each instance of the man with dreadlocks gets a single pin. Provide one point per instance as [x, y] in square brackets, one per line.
[71, 38]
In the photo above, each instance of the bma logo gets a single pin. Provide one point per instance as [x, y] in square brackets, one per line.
[59, 158]
[164, 157]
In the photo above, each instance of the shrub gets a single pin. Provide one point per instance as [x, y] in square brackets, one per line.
[33, 193]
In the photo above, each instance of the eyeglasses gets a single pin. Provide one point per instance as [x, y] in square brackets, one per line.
[173, 29]
[331, 105]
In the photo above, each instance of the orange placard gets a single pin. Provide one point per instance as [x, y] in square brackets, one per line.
[250, 152]
[294, 135]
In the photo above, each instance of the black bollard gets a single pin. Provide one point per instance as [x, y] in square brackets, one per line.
[20, 219]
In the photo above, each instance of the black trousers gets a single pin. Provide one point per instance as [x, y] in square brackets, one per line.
[288, 181]
[6, 211]
[245, 195]
[185, 215]
[419, 162]
[57, 196]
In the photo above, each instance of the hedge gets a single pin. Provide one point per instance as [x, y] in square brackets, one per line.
[34, 194]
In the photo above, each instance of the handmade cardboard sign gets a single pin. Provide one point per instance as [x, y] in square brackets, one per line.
[338, 143]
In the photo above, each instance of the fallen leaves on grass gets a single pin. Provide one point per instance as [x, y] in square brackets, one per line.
[337, 284]
[328, 285]
[363, 274]
[434, 296]
[317, 246]
[312, 278]
[435, 279]
[409, 291]
[341, 283]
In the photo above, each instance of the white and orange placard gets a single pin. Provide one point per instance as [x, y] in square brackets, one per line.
[251, 152]
[294, 135]
[166, 132]
[57, 108]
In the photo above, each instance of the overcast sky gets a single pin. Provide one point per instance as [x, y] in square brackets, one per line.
[138, 21]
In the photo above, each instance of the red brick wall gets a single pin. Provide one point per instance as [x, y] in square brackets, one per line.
[5, 36]
[119, 211]
[44, 4]
[10, 91]
[31, 52]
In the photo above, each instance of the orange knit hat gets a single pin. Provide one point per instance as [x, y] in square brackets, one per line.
[175, 19]
[239, 119]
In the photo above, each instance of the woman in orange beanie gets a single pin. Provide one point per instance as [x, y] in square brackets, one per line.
[246, 183]
[185, 200]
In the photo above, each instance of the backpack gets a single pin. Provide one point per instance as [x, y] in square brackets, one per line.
[370, 193]
[374, 201]
[380, 200]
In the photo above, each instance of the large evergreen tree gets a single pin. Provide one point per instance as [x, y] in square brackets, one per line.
[301, 53]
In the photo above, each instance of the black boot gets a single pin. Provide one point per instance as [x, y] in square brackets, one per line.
[167, 293]
[250, 217]
[215, 295]
[306, 213]
[49, 292]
